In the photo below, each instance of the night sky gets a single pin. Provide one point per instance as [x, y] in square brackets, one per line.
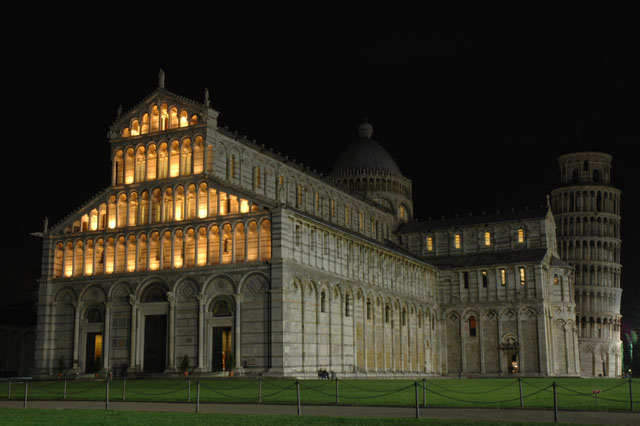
[475, 105]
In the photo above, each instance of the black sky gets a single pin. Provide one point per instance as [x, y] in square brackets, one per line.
[475, 105]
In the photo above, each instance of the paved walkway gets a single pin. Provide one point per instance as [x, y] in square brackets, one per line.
[489, 414]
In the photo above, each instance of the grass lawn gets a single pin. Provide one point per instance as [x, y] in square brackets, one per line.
[574, 394]
[17, 416]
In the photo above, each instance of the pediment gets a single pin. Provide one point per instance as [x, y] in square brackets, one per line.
[160, 111]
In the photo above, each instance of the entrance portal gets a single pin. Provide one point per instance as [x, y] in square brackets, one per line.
[93, 360]
[513, 364]
[155, 343]
[221, 352]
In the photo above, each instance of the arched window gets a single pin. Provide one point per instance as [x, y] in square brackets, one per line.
[78, 258]
[144, 208]
[131, 253]
[487, 238]
[142, 253]
[164, 117]
[457, 241]
[152, 159]
[239, 243]
[202, 246]
[166, 250]
[190, 248]
[198, 155]
[173, 118]
[118, 168]
[220, 308]
[99, 256]
[135, 127]
[429, 243]
[178, 249]
[133, 209]
[163, 161]
[93, 315]
[57, 260]
[347, 305]
[575, 176]
[387, 314]
[112, 212]
[227, 243]
[252, 242]
[202, 201]
[141, 164]
[88, 258]
[472, 326]
[179, 203]
[323, 301]
[214, 245]
[167, 202]
[184, 119]
[155, 118]
[120, 250]
[265, 240]
[156, 206]
[174, 159]
[154, 251]
[145, 123]
[185, 157]
[520, 235]
[122, 211]
[191, 202]
[596, 176]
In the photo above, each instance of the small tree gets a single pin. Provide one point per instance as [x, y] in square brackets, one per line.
[184, 365]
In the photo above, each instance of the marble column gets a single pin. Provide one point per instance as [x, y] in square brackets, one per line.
[237, 335]
[172, 320]
[201, 305]
[133, 334]
[106, 342]
[76, 336]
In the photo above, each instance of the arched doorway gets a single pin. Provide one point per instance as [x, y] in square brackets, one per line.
[93, 339]
[155, 309]
[222, 313]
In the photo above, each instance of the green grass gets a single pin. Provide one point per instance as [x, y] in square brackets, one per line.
[573, 394]
[18, 416]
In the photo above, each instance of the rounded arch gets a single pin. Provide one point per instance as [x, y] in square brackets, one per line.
[65, 295]
[186, 289]
[254, 282]
[153, 280]
[220, 283]
[92, 293]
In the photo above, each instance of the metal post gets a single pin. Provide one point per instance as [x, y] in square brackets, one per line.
[555, 403]
[630, 394]
[198, 396]
[124, 388]
[9, 394]
[259, 390]
[64, 392]
[424, 392]
[189, 390]
[337, 392]
[106, 406]
[520, 387]
[298, 394]
[26, 390]
[417, 405]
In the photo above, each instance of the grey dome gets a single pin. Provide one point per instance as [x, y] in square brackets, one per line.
[366, 154]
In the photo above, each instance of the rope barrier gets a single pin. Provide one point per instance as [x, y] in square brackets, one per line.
[345, 382]
[247, 398]
[432, 382]
[476, 402]
[182, 387]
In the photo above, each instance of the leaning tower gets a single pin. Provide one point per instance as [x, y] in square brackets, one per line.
[587, 212]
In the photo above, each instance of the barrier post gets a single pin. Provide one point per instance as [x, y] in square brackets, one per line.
[106, 405]
[520, 387]
[26, 390]
[424, 392]
[259, 390]
[298, 394]
[417, 405]
[555, 403]
[198, 396]
[188, 390]
[124, 387]
[64, 392]
[337, 392]
[630, 394]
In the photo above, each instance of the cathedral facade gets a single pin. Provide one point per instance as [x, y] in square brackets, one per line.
[213, 254]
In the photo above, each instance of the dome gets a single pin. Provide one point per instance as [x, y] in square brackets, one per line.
[366, 154]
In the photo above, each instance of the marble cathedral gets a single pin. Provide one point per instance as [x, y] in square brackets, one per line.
[212, 253]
